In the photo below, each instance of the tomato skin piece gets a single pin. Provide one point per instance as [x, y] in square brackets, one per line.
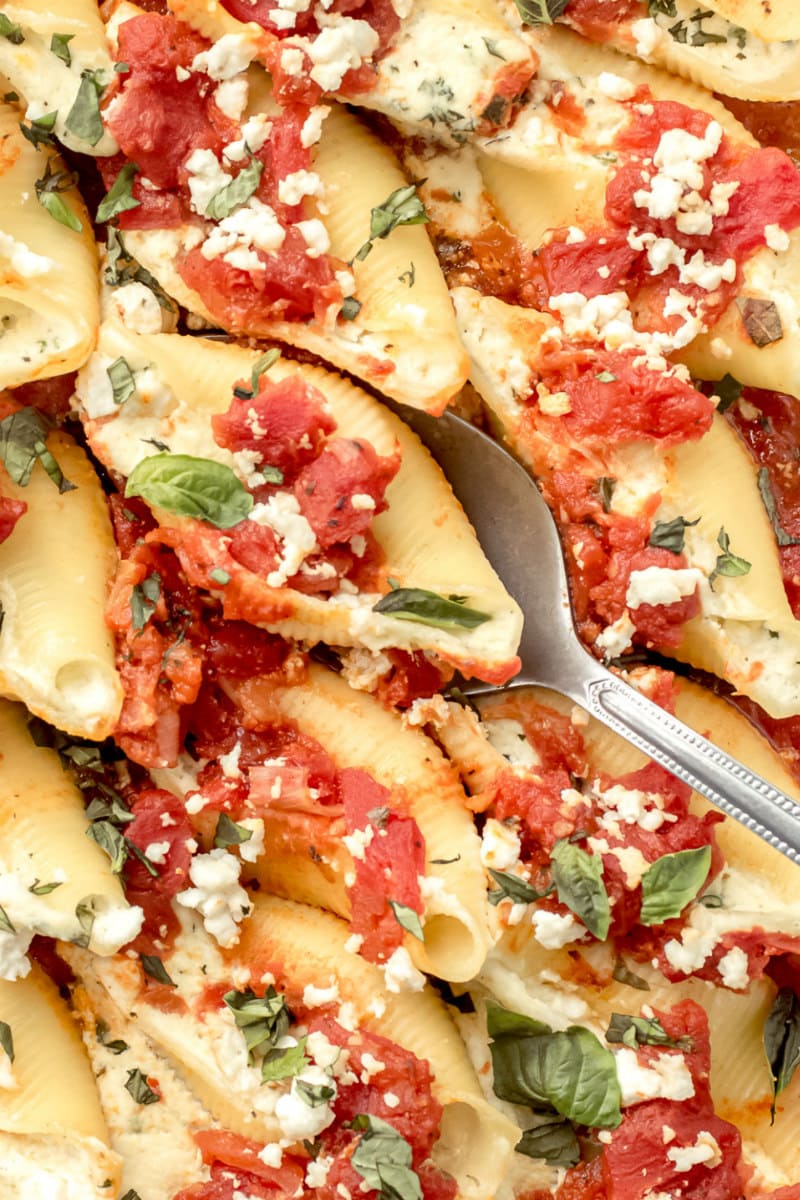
[412, 677]
[155, 894]
[293, 416]
[239, 650]
[255, 547]
[598, 19]
[10, 512]
[324, 489]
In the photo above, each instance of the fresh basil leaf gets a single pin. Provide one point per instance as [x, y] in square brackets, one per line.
[408, 919]
[262, 1020]
[85, 914]
[44, 889]
[229, 833]
[765, 488]
[120, 196]
[728, 563]
[236, 193]
[672, 882]
[551, 1138]
[623, 974]
[383, 1158]
[262, 365]
[191, 487]
[139, 1088]
[570, 1071]
[144, 600]
[7, 1040]
[117, 1046]
[84, 119]
[642, 1031]
[5, 922]
[11, 31]
[761, 320]
[48, 193]
[109, 838]
[429, 608]
[578, 877]
[727, 390]
[59, 45]
[40, 131]
[782, 1041]
[605, 486]
[284, 1063]
[121, 268]
[21, 433]
[502, 1022]
[350, 308]
[511, 887]
[671, 535]
[154, 967]
[541, 12]
[314, 1094]
[402, 207]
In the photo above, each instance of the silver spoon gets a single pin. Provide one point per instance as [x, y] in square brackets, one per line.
[519, 536]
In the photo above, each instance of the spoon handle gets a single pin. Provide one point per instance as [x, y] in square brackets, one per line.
[730, 785]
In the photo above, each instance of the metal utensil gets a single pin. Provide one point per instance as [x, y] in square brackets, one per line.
[519, 536]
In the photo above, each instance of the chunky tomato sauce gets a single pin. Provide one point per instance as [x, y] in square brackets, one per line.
[598, 19]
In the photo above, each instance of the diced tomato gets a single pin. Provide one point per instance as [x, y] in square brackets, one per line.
[132, 519]
[558, 742]
[240, 651]
[390, 869]
[292, 420]
[598, 19]
[343, 489]
[50, 396]
[255, 547]
[545, 815]
[158, 817]
[217, 1145]
[228, 1183]
[568, 266]
[413, 676]
[10, 512]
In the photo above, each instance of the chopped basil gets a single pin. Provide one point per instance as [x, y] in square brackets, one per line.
[7, 1039]
[219, 576]
[40, 131]
[552, 1138]
[120, 196]
[144, 599]
[541, 12]
[272, 474]
[728, 563]
[642, 1031]
[491, 46]
[5, 922]
[672, 882]
[11, 31]
[131, 1194]
[761, 320]
[664, 8]
[11, 97]
[623, 974]
[429, 608]
[408, 276]
[727, 390]
[116, 1046]
[23, 443]
[408, 919]
[782, 1041]
[284, 1063]
[229, 833]
[133, 849]
[236, 193]
[59, 45]
[314, 1094]
[262, 1020]
[44, 889]
[765, 488]
[48, 193]
[670, 535]
[606, 377]
[159, 446]
[191, 487]
[123, 384]
[402, 207]
[84, 119]
[383, 1158]
[259, 367]
[605, 486]
[122, 68]
[578, 877]
[350, 308]
[570, 1072]
[154, 967]
[109, 838]
[140, 1089]
[511, 887]
[122, 268]
[85, 914]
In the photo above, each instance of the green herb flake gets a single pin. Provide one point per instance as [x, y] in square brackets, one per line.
[623, 974]
[120, 197]
[7, 1040]
[262, 1020]
[541, 12]
[605, 486]
[727, 390]
[728, 564]
[121, 378]
[5, 922]
[85, 915]
[109, 838]
[768, 498]
[672, 882]
[23, 437]
[236, 193]
[429, 608]
[606, 377]
[220, 576]
[552, 1138]
[40, 131]
[782, 1041]
[671, 535]
[59, 45]
[144, 600]
[402, 207]
[578, 877]
[383, 1158]
[191, 487]
[314, 1094]
[407, 919]
[48, 193]
[350, 308]
[511, 887]
[13, 33]
[642, 1031]
[154, 967]
[131, 1194]
[84, 119]
[228, 833]
[284, 1063]
[44, 889]
[260, 367]
[139, 1089]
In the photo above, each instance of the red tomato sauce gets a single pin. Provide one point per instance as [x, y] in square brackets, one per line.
[598, 19]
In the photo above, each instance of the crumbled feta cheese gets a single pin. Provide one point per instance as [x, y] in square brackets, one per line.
[298, 1120]
[230, 762]
[554, 930]
[251, 850]
[354, 943]
[312, 126]
[317, 997]
[228, 56]
[500, 845]
[205, 177]
[137, 308]
[14, 962]
[705, 1150]
[358, 841]
[661, 585]
[666, 1077]
[338, 48]
[21, 259]
[616, 637]
[691, 951]
[427, 710]
[217, 895]
[157, 852]
[777, 239]
[362, 502]
[315, 236]
[231, 97]
[293, 187]
[254, 226]
[282, 513]
[271, 1155]
[734, 969]
[615, 87]
[317, 1171]
[400, 973]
